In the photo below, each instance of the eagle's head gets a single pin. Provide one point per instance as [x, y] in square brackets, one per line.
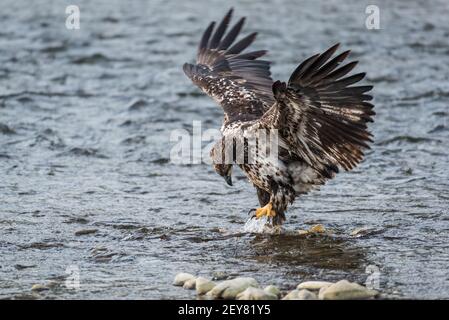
[224, 170]
[217, 155]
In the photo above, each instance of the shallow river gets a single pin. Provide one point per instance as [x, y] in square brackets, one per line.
[85, 123]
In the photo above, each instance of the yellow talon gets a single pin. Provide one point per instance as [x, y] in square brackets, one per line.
[265, 211]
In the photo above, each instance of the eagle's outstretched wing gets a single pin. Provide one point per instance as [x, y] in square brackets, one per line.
[239, 82]
[320, 115]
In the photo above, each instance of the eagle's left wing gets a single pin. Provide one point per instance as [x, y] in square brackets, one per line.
[237, 81]
[321, 116]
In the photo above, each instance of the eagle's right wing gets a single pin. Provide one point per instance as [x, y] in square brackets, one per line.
[239, 82]
[320, 115]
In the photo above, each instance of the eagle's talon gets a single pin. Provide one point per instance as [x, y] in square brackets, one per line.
[267, 211]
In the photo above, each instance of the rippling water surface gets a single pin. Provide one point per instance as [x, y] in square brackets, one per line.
[85, 121]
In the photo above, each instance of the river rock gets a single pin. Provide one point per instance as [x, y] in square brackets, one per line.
[345, 290]
[220, 275]
[229, 289]
[321, 291]
[252, 293]
[85, 232]
[203, 285]
[300, 295]
[39, 287]
[273, 290]
[23, 266]
[305, 294]
[313, 285]
[362, 232]
[313, 230]
[181, 278]
[190, 284]
[291, 295]
[317, 228]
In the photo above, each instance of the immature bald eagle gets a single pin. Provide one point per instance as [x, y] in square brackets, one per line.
[320, 118]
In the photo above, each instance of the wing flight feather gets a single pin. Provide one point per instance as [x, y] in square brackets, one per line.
[238, 81]
[320, 115]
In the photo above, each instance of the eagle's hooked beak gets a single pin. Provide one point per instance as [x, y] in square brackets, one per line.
[225, 171]
[187, 67]
[228, 179]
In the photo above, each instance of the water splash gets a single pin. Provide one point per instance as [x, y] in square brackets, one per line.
[261, 225]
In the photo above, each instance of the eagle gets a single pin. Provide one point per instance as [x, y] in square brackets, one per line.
[319, 116]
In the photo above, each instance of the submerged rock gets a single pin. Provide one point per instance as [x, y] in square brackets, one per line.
[305, 294]
[27, 296]
[190, 284]
[203, 285]
[220, 275]
[362, 232]
[181, 278]
[252, 293]
[313, 230]
[39, 287]
[345, 290]
[24, 266]
[85, 232]
[137, 104]
[5, 129]
[300, 295]
[273, 290]
[317, 228]
[229, 289]
[313, 285]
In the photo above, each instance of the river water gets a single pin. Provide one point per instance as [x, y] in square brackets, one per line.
[85, 123]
